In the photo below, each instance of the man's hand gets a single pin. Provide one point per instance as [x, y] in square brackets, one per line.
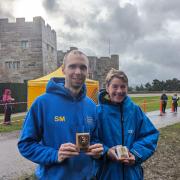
[95, 150]
[67, 150]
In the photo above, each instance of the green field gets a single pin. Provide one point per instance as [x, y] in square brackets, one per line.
[152, 103]
[16, 124]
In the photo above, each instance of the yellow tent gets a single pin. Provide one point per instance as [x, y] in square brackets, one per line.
[37, 87]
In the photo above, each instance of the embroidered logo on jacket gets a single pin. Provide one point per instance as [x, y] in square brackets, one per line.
[59, 118]
[89, 120]
[130, 131]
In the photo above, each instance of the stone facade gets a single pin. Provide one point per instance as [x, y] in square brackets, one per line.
[98, 67]
[27, 49]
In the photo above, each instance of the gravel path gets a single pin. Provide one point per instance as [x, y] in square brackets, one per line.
[14, 165]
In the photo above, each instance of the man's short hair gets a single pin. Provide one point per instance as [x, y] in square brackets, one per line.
[118, 74]
[74, 51]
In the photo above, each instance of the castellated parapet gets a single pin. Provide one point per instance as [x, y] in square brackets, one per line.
[27, 49]
[98, 67]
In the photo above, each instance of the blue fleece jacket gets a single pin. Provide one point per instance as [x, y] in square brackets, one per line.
[53, 119]
[140, 137]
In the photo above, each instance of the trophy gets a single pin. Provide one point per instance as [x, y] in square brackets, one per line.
[82, 141]
[122, 152]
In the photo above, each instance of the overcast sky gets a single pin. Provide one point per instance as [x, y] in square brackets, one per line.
[145, 33]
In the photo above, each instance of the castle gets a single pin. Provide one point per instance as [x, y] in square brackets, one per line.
[28, 50]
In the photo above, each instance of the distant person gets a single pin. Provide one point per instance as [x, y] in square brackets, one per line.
[49, 132]
[7, 100]
[175, 100]
[124, 129]
[164, 100]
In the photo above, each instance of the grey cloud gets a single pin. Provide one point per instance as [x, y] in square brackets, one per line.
[51, 6]
[72, 22]
[54, 8]
[156, 13]
[162, 52]
[162, 9]
[139, 72]
[6, 13]
[122, 28]
[71, 36]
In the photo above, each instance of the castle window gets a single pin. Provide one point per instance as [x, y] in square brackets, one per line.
[90, 75]
[52, 49]
[8, 64]
[12, 64]
[48, 47]
[24, 44]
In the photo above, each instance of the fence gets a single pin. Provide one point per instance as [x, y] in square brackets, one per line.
[19, 93]
[155, 104]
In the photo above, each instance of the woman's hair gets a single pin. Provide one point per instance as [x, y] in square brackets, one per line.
[6, 95]
[118, 74]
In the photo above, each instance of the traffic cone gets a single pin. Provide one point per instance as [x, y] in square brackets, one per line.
[144, 105]
[172, 107]
[160, 108]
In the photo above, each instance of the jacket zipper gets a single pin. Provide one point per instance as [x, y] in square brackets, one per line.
[122, 135]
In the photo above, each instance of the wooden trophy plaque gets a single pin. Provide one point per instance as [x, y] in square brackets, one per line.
[83, 141]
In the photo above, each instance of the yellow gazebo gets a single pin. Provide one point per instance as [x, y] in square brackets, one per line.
[37, 87]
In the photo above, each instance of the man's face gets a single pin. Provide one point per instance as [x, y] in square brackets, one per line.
[117, 90]
[75, 70]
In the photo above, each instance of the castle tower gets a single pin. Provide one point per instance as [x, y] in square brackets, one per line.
[27, 49]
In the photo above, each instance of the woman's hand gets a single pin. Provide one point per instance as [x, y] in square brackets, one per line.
[112, 154]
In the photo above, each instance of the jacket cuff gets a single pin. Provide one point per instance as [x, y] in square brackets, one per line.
[138, 157]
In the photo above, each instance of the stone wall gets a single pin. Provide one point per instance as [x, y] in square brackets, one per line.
[99, 67]
[22, 52]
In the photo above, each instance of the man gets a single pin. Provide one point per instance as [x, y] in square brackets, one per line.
[49, 131]
[164, 100]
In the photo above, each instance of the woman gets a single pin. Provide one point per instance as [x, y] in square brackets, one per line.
[121, 122]
[7, 99]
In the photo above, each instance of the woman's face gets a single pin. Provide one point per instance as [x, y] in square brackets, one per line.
[117, 90]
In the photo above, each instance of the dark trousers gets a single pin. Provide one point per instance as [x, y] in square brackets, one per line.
[164, 107]
[175, 107]
[7, 114]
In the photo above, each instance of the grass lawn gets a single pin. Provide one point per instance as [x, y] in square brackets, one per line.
[16, 124]
[165, 163]
[152, 103]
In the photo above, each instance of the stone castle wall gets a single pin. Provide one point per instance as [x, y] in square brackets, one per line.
[23, 53]
[99, 67]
